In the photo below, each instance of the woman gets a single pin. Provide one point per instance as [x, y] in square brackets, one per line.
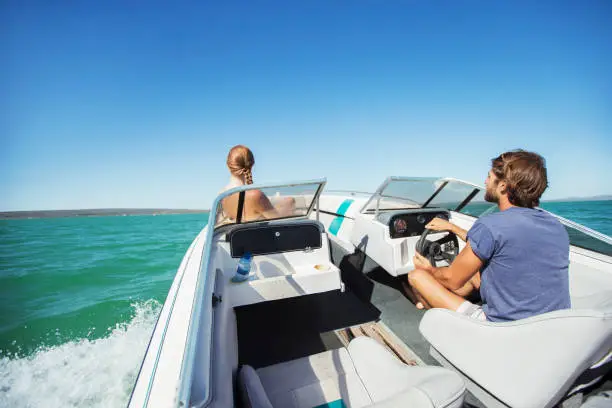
[240, 162]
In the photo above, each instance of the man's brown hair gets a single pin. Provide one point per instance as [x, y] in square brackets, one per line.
[525, 176]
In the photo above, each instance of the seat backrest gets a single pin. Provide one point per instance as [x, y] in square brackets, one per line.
[525, 363]
[598, 301]
[252, 391]
[593, 374]
[590, 283]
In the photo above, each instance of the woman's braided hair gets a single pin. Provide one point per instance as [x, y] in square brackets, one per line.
[240, 161]
[248, 175]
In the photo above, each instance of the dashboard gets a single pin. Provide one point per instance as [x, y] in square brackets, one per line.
[411, 223]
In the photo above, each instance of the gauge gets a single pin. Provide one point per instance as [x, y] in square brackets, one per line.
[421, 219]
[400, 226]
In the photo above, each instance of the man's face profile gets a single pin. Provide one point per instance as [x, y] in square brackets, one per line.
[491, 188]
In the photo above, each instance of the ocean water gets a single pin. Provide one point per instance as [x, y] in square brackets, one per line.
[79, 298]
[596, 215]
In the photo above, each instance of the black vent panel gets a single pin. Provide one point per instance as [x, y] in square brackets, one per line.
[272, 239]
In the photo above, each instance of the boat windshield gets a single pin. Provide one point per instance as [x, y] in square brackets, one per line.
[266, 202]
[586, 238]
[399, 193]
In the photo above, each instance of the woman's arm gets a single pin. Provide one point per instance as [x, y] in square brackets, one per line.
[258, 205]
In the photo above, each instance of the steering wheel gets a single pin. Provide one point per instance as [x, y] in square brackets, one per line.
[442, 249]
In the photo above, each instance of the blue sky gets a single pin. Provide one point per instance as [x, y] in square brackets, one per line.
[104, 104]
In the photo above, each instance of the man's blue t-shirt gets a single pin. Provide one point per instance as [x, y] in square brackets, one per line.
[525, 253]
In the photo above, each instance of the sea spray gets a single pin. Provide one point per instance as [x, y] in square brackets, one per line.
[83, 372]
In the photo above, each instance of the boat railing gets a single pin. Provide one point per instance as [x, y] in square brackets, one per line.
[585, 230]
[351, 192]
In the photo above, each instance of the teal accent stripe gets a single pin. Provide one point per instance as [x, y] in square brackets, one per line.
[336, 223]
[333, 404]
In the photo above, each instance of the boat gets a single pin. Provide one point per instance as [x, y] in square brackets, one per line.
[323, 320]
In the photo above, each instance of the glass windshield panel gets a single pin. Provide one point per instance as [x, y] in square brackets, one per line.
[402, 194]
[477, 207]
[413, 193]
[268, 203]
[452, 195]
[582, 240]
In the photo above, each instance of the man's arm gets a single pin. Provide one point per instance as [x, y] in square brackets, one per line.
[460, 232]
[439, 224]
[453, 277]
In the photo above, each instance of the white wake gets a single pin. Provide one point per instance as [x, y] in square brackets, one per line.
[81, 373]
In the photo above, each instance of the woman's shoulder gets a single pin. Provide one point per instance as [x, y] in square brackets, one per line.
[228, 186]
[254, 194]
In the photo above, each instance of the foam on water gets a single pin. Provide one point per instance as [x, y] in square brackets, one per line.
[92, 373]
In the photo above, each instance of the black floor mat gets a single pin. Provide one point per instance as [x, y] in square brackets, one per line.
[373, 285]
[282, 330]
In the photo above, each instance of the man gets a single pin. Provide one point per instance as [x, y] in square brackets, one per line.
[472, 286]
[522, 252]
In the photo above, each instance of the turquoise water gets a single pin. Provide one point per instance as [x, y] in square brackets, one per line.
[596, 215]
[79, 298]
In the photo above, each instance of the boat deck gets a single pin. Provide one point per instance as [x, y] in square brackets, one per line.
[282, 330]
[372, 285]
[373, 304]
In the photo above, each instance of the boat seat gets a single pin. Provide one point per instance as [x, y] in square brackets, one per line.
[364, 374]
[533, 362]
[598, 301]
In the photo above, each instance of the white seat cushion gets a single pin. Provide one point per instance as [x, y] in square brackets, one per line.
[385, 376]
[598, 301]
[364, 375]
[314, 380]
[253, 393]
[525, 363]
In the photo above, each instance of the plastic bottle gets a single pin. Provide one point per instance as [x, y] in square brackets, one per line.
[244, 268]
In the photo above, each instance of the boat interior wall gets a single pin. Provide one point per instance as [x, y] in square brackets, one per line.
[279, 275]
[346, 205]
[343, 225]
[540, 357]
[590, 282]
[224, 355]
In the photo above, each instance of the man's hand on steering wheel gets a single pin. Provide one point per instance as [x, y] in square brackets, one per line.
[442, 249]
[439, 224]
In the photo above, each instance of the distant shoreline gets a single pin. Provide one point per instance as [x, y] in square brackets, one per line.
[7, 215]
[580, 199]
[102, 212]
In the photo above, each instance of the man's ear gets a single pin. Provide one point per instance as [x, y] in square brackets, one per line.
[503, 187]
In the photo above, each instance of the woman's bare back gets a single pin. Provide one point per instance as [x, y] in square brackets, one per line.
[256, 206]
